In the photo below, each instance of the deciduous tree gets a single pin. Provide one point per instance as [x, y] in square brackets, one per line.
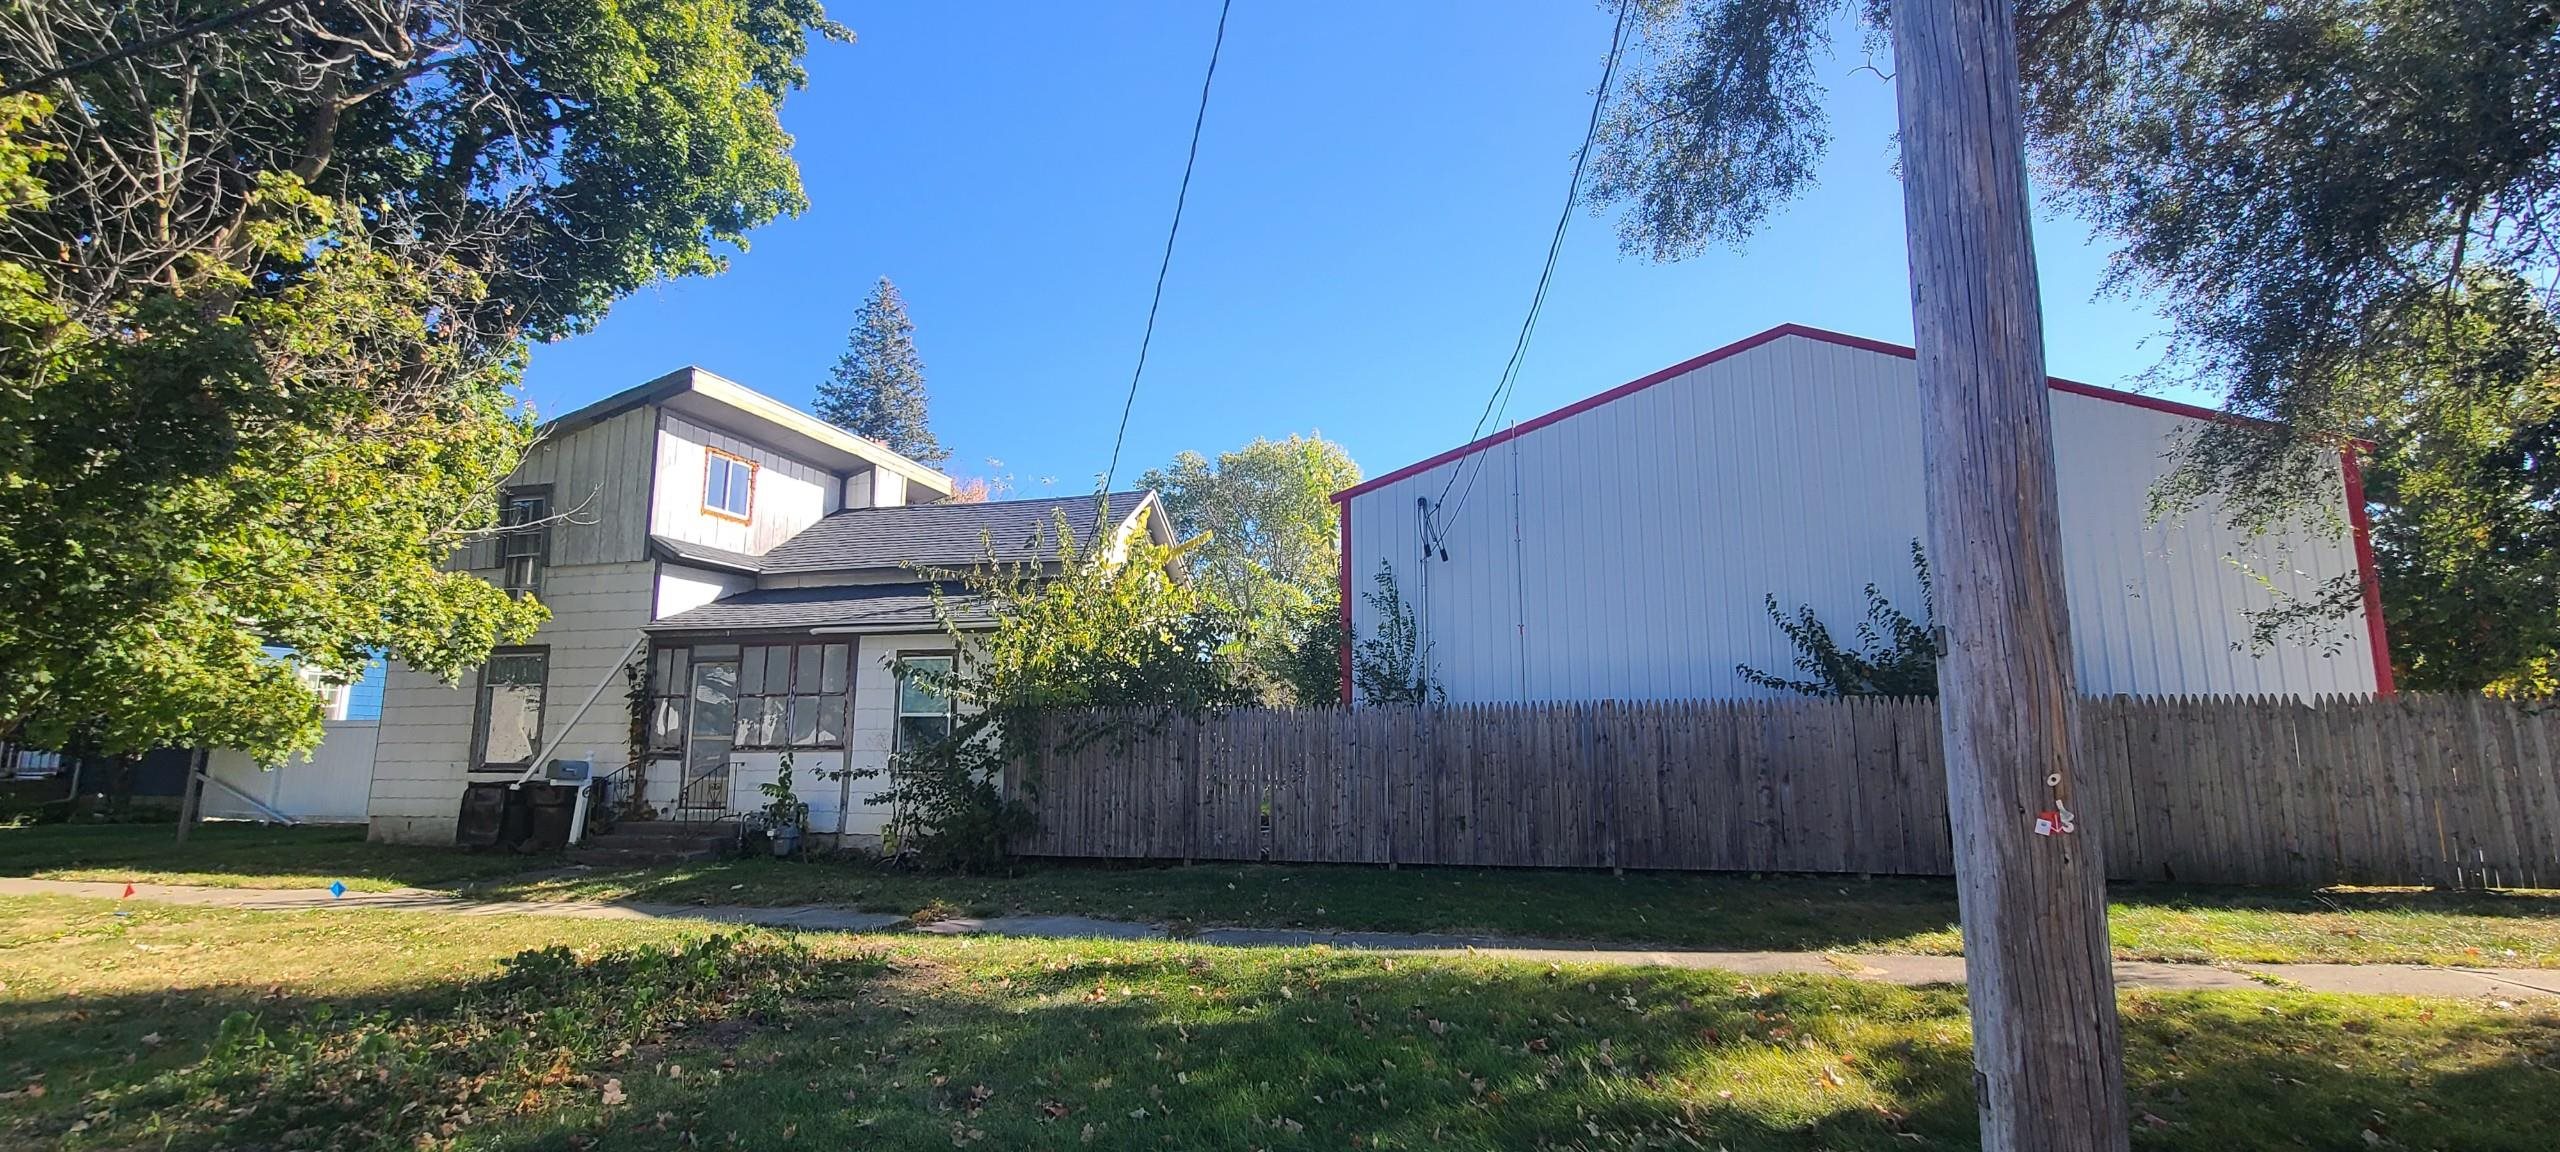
[1272, 557]
[265, 284]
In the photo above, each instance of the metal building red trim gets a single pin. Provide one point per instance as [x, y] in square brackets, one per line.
[2355, 483]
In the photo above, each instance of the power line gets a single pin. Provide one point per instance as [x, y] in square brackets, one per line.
[1500, 402]
[1171, 234]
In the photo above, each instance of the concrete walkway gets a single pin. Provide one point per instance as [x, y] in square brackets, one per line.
[2378, 979]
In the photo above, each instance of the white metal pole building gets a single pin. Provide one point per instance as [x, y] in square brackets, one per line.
[1621, 548]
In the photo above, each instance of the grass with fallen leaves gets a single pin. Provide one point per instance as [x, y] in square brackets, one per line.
[1726, 911]
[189, 1028]
[1690, 910]
[226, 854]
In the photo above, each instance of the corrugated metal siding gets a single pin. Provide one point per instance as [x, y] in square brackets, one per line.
[1650, 528]
[790, 494]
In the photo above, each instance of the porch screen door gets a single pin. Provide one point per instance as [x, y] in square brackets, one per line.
[714, 726]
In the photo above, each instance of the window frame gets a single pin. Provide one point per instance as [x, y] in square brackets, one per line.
[898, 713]
[512, 533]
[480, 717]
[710, 454]
[670, 676]
[841, 700]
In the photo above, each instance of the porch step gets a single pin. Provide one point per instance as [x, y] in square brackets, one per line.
[643, 842]
[595, 856]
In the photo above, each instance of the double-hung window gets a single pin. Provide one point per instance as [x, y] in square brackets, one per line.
[506, 727]
[728, 485]
[925, 714]
[793, 695]
[524, 540]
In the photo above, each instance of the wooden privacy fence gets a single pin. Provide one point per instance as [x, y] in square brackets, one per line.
[2452, 790]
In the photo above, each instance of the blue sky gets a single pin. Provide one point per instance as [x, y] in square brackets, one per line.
[1374, 195]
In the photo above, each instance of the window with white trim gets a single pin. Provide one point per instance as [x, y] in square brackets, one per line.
[925, 715]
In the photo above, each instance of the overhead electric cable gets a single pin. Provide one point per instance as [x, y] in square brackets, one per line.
[1498, 403]
[1189, 161]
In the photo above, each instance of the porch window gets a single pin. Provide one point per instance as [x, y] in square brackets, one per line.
[668, 676]
[728, 485]
[924, 715]
[793, 695]
[506, 727]
[524, 540]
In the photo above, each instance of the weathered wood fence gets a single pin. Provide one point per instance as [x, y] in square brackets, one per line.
[2451, 790]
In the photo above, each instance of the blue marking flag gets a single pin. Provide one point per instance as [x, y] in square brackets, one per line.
[337, 889]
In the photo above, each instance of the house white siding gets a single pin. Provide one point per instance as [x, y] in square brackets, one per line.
[790, 494]
[682, 588]
[875, 722]
[839, 802]
[1623, 551]
[420, 762]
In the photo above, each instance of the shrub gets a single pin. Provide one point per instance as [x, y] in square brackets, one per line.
[1040, 648]
[1897, 656]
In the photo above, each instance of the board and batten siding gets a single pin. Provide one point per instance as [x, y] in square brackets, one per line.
[599, 481]
[790, 494]
[422, 750]
[1623, 551]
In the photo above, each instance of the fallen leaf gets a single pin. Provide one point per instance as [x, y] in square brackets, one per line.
[613, 1093]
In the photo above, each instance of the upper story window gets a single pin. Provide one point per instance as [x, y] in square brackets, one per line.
[524, 539]
[728, 485]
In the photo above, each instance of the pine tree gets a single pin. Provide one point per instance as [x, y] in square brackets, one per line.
[877, 389]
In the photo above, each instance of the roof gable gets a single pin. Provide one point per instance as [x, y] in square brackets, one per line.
[711, 399]
[952, 536]
[1736, 348]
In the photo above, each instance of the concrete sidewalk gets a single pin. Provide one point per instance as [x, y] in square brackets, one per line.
[2371, 979]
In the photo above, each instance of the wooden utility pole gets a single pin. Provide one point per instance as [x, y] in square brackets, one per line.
[2048, 1058]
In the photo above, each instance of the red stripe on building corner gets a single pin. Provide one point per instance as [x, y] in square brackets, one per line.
[2367, 573]
[1343, 577]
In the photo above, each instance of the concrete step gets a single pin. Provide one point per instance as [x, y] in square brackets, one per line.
[596, 854]
[656, 831]
[634, 843]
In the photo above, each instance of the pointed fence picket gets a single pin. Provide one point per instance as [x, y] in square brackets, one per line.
[2459, 791]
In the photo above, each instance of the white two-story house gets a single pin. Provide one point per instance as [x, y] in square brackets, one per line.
[750, 569]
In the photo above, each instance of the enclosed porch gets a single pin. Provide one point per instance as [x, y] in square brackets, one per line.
[730, 693]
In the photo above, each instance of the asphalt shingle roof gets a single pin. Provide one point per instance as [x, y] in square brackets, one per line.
[872, 607]
[951, 536]
[688, 552]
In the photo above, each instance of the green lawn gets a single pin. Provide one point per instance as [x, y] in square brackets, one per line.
[241, 855]
[1802, 913]
[1811, 913]
[187, 1028]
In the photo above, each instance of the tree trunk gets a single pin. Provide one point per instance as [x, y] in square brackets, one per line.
[2049, 1065]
